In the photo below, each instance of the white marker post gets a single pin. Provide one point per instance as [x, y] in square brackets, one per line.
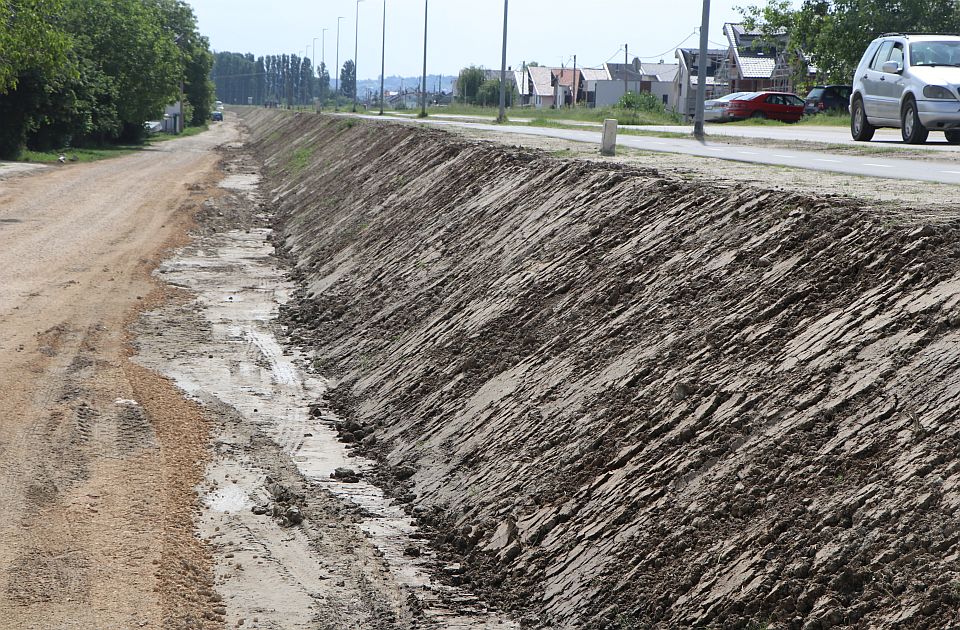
[608, 145]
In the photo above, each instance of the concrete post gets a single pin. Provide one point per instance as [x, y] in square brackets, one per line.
[608, 146]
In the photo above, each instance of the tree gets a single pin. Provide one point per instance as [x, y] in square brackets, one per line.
[836, 32]
[31, 39]
[323, 81]
[469, 83]
[489, 93]
[348, 78]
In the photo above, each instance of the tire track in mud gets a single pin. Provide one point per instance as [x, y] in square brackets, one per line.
[331, 552]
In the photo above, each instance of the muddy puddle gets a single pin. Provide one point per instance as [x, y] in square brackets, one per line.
[222, 349]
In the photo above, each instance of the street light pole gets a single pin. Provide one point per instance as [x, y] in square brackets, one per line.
[356, 51]
[702, 72]
[323, 63]
[503, 68]
[336, 92]
[383, 55]
[423, 95]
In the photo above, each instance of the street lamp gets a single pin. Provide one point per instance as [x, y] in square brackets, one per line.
[336, 93]
[702, 72]
[356, 51]
[383, 55]
[323, 61]
[502, 117]
[423, 95]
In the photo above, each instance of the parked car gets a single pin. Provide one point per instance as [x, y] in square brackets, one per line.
[783, 106]
[908, 82]
[715, 110]
[217, 116]
[827, 98]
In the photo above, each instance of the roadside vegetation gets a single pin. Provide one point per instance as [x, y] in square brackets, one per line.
[834, 33]
[75, 75]
[93, 154]
[826, 119]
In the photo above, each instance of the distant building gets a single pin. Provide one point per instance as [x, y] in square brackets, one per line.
[688, 72]
[757, 61]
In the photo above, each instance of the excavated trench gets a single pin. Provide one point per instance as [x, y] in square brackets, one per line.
[624, 400]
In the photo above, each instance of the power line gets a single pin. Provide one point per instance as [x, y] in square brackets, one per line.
[670, 50]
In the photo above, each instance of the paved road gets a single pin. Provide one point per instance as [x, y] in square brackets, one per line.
[866, 166]
[884, 139]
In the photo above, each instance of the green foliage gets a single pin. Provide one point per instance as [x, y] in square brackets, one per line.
[836, 32]
[644, 101]
[30, 39]
[301, 159]
[103, 72]
[348, 78]
[468, 85]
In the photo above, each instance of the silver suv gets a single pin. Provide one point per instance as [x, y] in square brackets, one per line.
[910, 82]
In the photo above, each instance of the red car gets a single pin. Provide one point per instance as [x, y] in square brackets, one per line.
[773, 105]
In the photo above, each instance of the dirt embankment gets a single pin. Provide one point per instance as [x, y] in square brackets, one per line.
[632, 401]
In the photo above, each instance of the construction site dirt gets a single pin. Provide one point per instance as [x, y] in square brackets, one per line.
[309, 371]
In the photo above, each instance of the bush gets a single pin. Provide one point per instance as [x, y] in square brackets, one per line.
[644, 101]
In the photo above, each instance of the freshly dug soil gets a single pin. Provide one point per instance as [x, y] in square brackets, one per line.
[627, 400]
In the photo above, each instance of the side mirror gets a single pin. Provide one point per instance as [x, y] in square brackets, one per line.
[892, 67]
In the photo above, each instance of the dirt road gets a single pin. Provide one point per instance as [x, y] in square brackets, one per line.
[95, 522]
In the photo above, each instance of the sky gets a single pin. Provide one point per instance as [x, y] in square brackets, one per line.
[462, 32]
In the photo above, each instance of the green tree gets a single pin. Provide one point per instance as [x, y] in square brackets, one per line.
[469, 83]
[31, 39]
[834, 33]
[348, 78]
[489, 93]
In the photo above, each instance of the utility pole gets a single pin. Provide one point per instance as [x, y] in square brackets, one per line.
[502, 117]
[383, 55]
[323, 64]
[702, 72]
[356, 51]
[626, 62]
[313, 58]
[336, 94]
[423, 96]
[574, 85]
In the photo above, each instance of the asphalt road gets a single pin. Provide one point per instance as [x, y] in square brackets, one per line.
[884, 138]
[866, 166]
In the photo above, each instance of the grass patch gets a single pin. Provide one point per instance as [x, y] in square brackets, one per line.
[827, 119]
[95, 154]
[300, 159]
[579, 114]
[79, 155]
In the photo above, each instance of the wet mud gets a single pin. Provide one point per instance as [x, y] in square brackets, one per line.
[300, 537]
[619, 399]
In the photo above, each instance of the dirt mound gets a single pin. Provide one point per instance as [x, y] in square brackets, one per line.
[627, 400]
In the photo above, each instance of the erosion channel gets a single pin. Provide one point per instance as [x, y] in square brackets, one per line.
[459, 384]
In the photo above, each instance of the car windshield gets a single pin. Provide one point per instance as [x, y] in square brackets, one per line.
[731, 97]
[935, 54]
[816, 92]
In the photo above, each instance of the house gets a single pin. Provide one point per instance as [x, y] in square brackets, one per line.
[567, 86]
[523, 86]
[759, 61]
[540, 84]
[591, 79]
[687, 75]
[637, 77]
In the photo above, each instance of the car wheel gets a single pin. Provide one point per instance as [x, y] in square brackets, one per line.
[911, 128]
[952, 136]
[860, 128]
[758, 115]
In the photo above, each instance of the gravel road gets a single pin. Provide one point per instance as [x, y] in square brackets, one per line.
[97, 456]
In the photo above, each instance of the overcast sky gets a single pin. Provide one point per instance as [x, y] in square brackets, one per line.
[464, 32]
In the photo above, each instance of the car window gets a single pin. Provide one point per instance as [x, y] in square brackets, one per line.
[882, 56]
[793, 100]
[816, 92]
[935, 54]
[897, 53]
[844, 93]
